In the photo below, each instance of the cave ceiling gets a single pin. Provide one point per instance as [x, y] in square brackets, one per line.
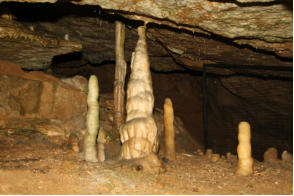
[181, 34]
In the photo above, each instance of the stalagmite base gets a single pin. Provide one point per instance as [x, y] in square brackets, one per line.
[169, 130]
[90, 151]
[245, 161]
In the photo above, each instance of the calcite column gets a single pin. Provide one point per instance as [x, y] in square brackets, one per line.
[139, 134]
[120, 75]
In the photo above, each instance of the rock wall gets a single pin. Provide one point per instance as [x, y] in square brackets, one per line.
[266, 103]
[35, 100]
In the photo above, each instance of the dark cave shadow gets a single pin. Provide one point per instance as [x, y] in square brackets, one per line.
[251, 75]
[51, 12]
[64, 58]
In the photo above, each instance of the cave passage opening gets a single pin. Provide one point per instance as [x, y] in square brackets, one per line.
[259, 95]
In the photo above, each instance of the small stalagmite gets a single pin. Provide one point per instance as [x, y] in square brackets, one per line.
[200, 152]
[101, 140]
[90, 151]
[270, 155]
[169, 130]
[229, 155]
[287, 157]
[208, 153]
[73, 142]
[245, 161]
[215, 158]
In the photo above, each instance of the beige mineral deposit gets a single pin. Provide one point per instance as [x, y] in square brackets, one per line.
[169, 130]
[245, 161]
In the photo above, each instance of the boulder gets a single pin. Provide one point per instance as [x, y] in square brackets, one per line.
[38, 101]
[271, 155]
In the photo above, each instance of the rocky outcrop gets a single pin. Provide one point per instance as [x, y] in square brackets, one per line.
[169, 49]
[29, 49]
[262, 22]
[269, 22]
[37, 101]
[259, 37]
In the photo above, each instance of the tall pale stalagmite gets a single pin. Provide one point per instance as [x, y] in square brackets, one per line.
[245, 161]
[90, 151]
[169, 129]
[139, 134]
[120, 74]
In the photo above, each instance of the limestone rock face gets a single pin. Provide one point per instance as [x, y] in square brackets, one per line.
[269, 23]
[189, 34]
[40, 102]
[249, 32]
[31, 50]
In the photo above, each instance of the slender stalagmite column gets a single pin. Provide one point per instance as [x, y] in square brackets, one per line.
[120, 74]
[139, 133]
[101, 140]
[169, 129]
[245, 161]
[90, 151]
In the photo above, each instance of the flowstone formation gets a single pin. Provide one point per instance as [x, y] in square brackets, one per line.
[139, 134]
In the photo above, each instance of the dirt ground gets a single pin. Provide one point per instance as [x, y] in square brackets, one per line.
[31, 163]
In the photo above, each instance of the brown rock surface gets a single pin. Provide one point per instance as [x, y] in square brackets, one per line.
[263, 21]
[213, 33]
[228, 19]
[29, 49]
[35, 100]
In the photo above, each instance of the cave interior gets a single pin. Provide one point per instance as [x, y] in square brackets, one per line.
[213, 82]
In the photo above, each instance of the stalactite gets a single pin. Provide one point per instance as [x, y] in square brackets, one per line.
[120, 74]
[90, 151]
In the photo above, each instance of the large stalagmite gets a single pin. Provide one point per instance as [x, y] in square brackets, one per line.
[139, 133]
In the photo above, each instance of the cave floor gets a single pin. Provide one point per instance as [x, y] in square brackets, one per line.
[34, 164]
